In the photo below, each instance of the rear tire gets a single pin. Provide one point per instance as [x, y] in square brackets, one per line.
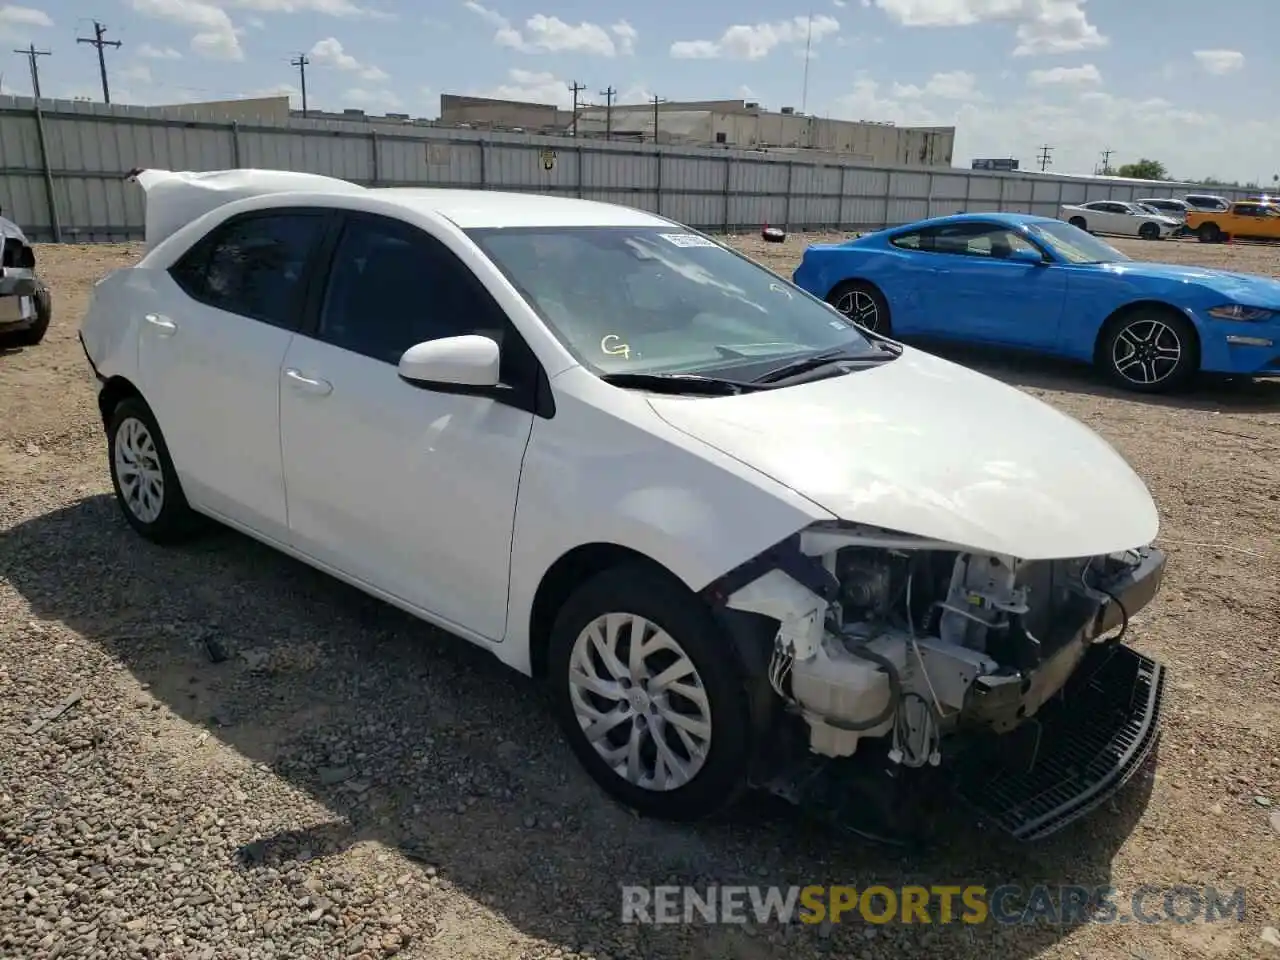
[142, 473]
[864, 304]
[1150, 350]
[697, 719]
[1209, 233]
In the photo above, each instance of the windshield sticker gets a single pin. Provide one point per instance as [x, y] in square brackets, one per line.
[614, 348]
[687, 240]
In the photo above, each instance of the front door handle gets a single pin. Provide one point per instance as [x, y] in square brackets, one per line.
[164, 326]
[306, 384]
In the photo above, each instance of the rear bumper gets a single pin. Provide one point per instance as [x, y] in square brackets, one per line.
[17, 299]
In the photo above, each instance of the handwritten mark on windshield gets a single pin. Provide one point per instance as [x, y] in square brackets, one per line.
[613, 346]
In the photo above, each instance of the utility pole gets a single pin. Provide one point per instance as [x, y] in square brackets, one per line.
[608, 95]
[577, 88]
[31, 53]
[1106, 160]
[1045, 153]
[99, 30]
[655, 100]
[301, 61]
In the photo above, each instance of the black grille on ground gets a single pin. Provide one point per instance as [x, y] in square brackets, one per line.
[1077, 751]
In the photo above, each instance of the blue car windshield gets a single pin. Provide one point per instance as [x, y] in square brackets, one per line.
[1075, 245]
[663, 300]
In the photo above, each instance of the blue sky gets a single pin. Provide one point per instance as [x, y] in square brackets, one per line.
[1176, 80]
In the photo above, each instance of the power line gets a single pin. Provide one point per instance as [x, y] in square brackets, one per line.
[608, 95]
[655, 100]
[577, 88]
[301, 61]
[31, 53]
[99, 30]
[1044, 157]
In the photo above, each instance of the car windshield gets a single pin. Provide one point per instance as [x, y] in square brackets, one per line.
[664, 300]
[1073, 244]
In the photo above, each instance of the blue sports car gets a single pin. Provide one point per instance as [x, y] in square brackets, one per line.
[1043, 285]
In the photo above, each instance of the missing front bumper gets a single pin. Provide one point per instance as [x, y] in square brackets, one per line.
[1075, 754]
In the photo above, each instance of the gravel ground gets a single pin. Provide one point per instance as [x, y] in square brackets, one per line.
[349, 782]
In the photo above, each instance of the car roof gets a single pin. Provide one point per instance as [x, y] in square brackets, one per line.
[1008, 219]
[494, 208]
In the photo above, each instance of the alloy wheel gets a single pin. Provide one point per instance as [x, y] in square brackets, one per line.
[138, 470]
[640, 702]
[860, 307]
[1146, 352]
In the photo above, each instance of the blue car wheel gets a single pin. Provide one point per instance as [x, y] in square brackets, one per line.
[1150, 350]
[863, 303]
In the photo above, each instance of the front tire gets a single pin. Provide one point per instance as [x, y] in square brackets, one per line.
[650, 695]
[1149, 231]
[864, 304]
[142, 473]
[1150, 351]
[1080, 223]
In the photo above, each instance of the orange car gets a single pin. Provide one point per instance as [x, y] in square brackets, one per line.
[1246, 220]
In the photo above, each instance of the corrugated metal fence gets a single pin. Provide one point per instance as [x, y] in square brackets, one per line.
[62, 172]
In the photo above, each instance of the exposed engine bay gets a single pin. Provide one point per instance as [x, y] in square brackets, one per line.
[889, 636]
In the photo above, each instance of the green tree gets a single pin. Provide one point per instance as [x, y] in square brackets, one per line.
[1145, 169]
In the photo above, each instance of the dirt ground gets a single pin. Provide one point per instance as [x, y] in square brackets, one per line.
[348, 782]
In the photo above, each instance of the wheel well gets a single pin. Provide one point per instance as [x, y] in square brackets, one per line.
[860, 281]
[565, 576]
[112, 392]
[1129, 309]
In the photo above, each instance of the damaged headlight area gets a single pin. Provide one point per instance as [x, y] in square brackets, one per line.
[924, 647]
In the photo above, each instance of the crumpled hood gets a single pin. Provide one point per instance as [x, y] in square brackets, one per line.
[923, 446]
[175, 198]
[10, 230]
[1245, 288]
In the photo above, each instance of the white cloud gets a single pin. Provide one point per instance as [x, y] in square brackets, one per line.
[1084, 75]
[953, 85]
[627, 36]
[545, 34]
[216, 37]
[743, 42]
[379, 99]
[1017, 126]
[158, 53]
[1218, 62]
[137, 72]
[1043, 26]
[19, 21]
[329, 53]
[329, 8]
[531, 86]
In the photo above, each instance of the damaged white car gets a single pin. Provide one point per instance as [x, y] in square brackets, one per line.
[743, 541]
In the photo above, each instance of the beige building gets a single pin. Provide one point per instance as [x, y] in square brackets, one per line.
[247, 110]
[735, 124]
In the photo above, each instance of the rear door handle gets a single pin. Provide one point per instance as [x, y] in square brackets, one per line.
[299, 381]
[164, 326]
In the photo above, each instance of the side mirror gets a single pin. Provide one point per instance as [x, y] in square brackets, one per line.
[1023, 255]
[467, 361]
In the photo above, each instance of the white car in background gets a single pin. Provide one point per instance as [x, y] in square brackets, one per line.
[1119, 218]
[741, 539]
[1167, 206]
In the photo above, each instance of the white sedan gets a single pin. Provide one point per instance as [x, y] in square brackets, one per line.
[734, 533]
[1120, 218]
